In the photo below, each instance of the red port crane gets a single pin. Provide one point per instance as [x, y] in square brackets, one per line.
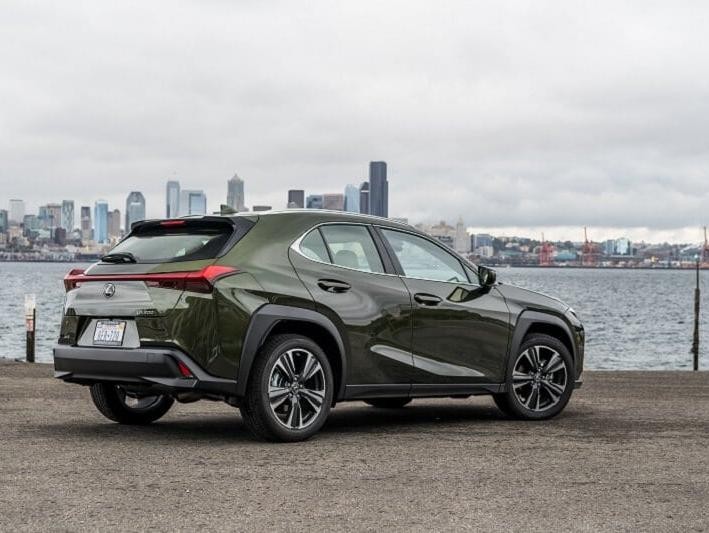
[546, 253]
[589, 252]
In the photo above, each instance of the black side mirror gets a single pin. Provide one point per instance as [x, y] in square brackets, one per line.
[487, 276]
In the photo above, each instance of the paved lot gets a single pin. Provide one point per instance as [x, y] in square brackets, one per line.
[631, 452]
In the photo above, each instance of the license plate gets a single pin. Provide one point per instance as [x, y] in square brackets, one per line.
[109, 332]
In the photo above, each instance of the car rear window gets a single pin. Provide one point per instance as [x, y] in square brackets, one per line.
[182, 240]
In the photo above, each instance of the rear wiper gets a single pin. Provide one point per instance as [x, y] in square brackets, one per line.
[119, 257]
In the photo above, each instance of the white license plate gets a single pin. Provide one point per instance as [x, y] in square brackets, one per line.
[109, 332]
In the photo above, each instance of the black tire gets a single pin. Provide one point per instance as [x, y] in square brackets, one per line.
[510, 403]
[110, 400]
[268, 423]
[388, 403]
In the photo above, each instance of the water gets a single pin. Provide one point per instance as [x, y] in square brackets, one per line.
[635, 319]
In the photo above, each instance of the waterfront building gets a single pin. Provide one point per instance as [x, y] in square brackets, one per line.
[4, 221]
[378, 189]
[68, 215]
[86, 223]
[352, 199]
[314, 201]
[193, 202]
[53, 214]
[16, 212]
[262, 208]
[296, 198]
[462, 240]
[623, 246]
[101, 221]
[333, 202]
[235, 193]
[609, 247]
[364, 198]
[135, 209]
[172, 199]
[483, 239]
[114, 224]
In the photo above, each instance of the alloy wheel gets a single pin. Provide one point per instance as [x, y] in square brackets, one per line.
[539, 378]
[296, 388]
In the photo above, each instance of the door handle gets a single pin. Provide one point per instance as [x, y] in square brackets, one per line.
[332, 285]
[427, 299]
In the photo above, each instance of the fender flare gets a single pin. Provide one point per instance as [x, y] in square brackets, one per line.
[262, 323]
[525, 321]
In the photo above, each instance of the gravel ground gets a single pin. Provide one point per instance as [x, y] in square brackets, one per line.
[631, 452]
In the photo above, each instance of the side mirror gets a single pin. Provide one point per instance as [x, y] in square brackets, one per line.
[487, 276]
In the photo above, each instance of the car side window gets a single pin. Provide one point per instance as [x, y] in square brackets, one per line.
[352, 247]
[313, 247]
[422, 259]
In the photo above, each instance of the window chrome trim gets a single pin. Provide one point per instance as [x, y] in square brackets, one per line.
[295, 246]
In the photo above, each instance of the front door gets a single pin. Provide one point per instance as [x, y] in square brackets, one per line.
[460, 329]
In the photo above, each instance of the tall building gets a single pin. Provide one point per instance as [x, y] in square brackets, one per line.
[314, 201]
[86, 222]
[364, 198]
[192, 202]
[296, 198]
[17, 211]
[135, 209]
[462, 239]
[172, 200]
[235, 193]
[352, 199]
[378, 189]
[333, 202]
[101, 222]
[68, 215]
[4, 221]
[114, 224]
[53, 216]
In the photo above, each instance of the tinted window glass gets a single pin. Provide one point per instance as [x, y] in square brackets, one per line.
[313, 247]
[352, 247]
[422, 259]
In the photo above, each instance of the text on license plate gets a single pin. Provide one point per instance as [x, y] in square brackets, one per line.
[109, 332]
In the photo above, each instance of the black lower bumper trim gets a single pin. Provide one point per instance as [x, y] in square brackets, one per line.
[155, 368]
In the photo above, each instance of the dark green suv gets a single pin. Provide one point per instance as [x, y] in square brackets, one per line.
[284, 314]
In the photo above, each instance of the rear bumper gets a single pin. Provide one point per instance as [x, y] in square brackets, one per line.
[153, 368]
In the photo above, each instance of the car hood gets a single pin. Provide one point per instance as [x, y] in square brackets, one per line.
[526, 299]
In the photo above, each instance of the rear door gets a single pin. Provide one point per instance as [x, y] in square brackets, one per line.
[358, 290]
[460, 330]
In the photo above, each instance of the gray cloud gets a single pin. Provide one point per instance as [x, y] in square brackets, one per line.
[510, 114]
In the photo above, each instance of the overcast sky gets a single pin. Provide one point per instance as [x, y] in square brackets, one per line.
[515, 115]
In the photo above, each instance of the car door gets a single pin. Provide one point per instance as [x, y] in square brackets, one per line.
[361, 293]
[460, 329]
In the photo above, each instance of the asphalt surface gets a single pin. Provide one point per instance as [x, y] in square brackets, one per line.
[631, 452]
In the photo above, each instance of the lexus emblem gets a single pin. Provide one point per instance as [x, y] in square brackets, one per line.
[109, 290]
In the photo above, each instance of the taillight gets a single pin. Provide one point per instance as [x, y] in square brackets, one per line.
[197, 281]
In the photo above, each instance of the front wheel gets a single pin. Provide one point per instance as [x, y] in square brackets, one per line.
[127, 407]
[289, 393]
[540, 380]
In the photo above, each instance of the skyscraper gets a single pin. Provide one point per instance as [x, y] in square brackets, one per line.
[378, 189]
[235, 193]
[314, 201]
[296, 197]
[352, 198]
[334, 202]
[86, 222]
[114, 224]
[135, 209]
[53, 216]
[68, 215]
[101, 221]
[462, 239]
[4, 221]
[192, 202]
[172, 200]
[364, 198]
[17, 211]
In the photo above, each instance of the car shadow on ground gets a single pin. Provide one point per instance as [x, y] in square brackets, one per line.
[345, 420]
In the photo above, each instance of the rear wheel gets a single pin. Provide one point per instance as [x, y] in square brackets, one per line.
[128, 407]
[388, 403]
[540, 380]
[290, 390]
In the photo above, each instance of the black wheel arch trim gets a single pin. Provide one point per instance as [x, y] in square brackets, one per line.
[527, 319]
[262, 323]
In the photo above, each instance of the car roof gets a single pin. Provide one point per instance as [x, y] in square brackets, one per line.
[327, 215]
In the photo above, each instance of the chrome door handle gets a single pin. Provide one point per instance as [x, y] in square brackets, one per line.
[333, 285]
